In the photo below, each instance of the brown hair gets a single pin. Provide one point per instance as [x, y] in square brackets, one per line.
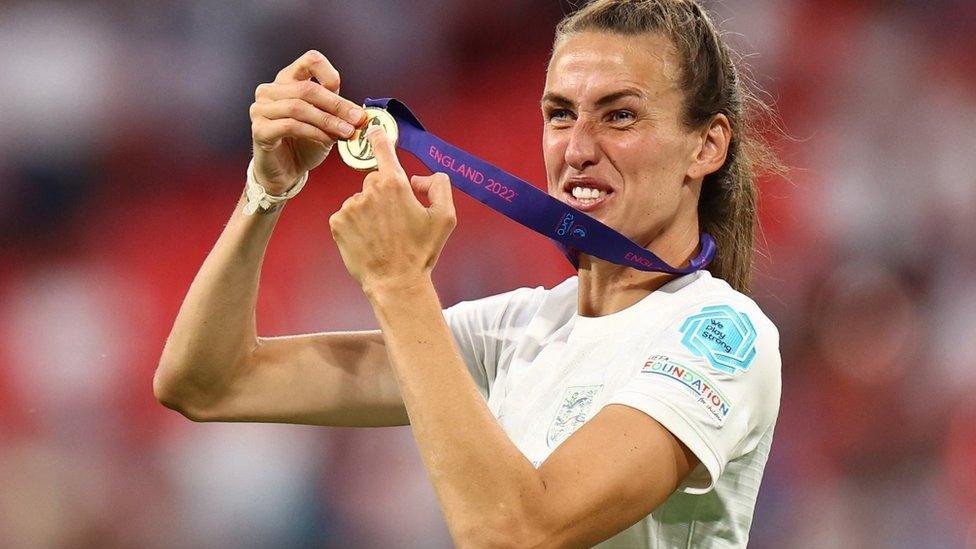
[712, 84]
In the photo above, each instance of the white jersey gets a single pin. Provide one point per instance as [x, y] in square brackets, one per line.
[696, 355]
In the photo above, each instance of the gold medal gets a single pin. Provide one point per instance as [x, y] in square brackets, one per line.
[356, 151]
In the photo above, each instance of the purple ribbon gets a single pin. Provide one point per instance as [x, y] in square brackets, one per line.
[572, 230]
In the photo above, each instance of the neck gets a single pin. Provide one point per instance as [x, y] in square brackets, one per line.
[606, 288]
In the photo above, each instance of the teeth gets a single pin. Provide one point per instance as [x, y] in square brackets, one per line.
[587, 193]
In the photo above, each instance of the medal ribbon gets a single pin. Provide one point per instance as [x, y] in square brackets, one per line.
[572, 230]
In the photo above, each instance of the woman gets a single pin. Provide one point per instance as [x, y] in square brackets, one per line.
[632, 407]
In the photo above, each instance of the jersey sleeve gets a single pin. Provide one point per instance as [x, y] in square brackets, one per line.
[712, 380]
[485, 329]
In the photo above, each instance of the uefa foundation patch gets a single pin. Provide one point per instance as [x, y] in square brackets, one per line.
[723, 336]
[704, 390]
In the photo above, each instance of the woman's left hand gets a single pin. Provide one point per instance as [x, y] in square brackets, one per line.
[385, 235]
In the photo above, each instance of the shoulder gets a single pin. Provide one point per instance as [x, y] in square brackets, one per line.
[520, 304]
[727, 331]
[709, 301]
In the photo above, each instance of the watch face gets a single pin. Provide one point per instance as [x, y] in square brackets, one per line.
[356, 151]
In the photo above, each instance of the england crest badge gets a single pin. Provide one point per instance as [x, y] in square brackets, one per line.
[572, 412]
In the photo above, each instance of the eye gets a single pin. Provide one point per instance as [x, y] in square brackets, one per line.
[558, 115]
[621, 116]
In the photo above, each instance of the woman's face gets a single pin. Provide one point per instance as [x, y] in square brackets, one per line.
[613, 131]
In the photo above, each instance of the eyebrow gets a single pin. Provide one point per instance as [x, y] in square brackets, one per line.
[563, 101]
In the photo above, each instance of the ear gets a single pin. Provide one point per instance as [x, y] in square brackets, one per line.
[713, 147]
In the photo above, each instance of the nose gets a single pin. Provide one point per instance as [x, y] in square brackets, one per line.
[582, 150]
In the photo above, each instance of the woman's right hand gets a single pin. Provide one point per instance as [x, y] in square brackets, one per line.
[295, 121]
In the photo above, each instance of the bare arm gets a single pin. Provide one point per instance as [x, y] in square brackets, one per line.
[214, 367]
[615, 470]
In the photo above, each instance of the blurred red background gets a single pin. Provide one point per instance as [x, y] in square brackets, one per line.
[124, 136]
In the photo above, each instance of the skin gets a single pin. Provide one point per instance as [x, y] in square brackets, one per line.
[613, 471]
[390, 242]
[636, 144]
[620, 465]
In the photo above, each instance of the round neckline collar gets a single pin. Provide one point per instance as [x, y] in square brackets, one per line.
[628, 319]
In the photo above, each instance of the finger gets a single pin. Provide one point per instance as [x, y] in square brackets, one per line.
[352, 201]
[385, 153]
[421, 184]
[440, 193]
[372, 181]
[311, 64]
[267, 134]
[302, 111]
[336, 221]
[314, 94]
[437, 189]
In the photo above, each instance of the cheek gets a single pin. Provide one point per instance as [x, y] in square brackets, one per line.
[658, 161]
[640, 162]
[553, 154]
[651, 169]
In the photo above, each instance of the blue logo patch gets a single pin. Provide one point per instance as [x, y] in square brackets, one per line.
[722, 335]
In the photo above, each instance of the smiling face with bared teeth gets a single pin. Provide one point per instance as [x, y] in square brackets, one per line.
[614, 143]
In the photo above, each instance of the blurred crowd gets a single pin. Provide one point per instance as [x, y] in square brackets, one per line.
[124, 135]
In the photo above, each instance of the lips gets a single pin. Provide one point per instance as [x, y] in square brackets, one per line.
[586, 205]
[588, 183]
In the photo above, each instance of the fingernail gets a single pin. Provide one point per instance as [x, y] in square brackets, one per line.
[373, 131]
[346, 128]
[356, 115]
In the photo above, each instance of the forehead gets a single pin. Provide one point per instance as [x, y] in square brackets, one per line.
[595, 63]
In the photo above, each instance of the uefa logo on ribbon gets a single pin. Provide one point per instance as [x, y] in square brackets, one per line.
[723, 336]
[566, 225]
